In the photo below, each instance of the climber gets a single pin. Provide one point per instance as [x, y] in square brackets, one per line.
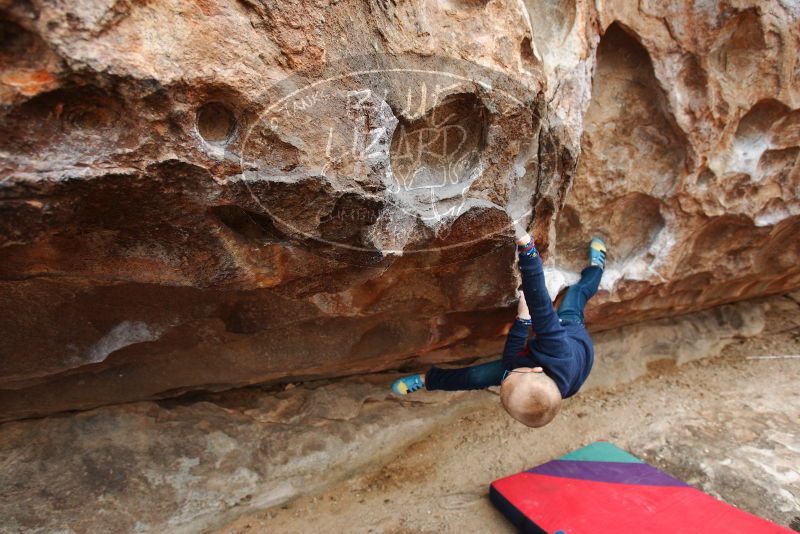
[534, 374]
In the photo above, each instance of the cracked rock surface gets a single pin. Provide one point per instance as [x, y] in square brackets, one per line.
[203, 195]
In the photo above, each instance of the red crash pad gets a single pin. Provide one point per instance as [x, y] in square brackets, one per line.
[602, 489]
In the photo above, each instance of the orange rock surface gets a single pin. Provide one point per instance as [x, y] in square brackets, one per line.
[197, 196]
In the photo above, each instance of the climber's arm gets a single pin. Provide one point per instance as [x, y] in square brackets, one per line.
[518, 335]
[515, 341]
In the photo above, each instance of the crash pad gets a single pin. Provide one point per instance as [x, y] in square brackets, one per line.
[601, 489]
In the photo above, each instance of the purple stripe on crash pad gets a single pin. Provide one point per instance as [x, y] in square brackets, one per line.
[618, 472]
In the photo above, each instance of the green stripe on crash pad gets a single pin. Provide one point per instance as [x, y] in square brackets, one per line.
[601, 451]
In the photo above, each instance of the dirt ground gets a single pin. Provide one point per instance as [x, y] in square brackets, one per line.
[727, 425]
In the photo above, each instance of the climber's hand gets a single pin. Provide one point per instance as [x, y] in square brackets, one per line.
[523, 239]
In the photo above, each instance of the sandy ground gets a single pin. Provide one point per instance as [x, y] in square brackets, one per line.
[727, 425]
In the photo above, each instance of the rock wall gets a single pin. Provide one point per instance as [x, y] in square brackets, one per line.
[205, 195]
[689, 157]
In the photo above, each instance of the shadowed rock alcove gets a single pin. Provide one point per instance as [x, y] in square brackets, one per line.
[632, 157]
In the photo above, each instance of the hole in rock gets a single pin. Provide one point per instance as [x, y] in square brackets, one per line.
[631, 142]
[26, 60]
[753, 135]
[87, 116]
[706, 177]
[85, 120]
[631, 156]
[757, 122]
[741, 47]
[350, 219]
[693, 84]
[777, 164]
[15, 42]
[635, 221]
[551, 21]
[526, 52]
[80, 109]
[693, 76]
[216, 123]
[437, 156]
[629, 224]
[248, 224]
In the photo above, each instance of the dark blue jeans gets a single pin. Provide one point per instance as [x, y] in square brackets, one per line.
[490, 374]
[571, 308]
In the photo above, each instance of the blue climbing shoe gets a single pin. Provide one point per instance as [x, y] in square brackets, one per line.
[597, 252]
[407, 384]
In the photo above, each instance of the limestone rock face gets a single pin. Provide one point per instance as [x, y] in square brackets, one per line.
[689, 158]
[205, 195]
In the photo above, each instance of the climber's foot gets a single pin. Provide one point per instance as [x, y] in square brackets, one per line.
[408, 384]
[597, 252]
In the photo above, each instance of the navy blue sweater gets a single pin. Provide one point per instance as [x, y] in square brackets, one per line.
[564, 352]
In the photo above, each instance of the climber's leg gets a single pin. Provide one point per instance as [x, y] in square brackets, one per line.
[571, 308]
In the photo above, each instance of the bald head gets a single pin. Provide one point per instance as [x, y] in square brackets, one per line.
[531, 398]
